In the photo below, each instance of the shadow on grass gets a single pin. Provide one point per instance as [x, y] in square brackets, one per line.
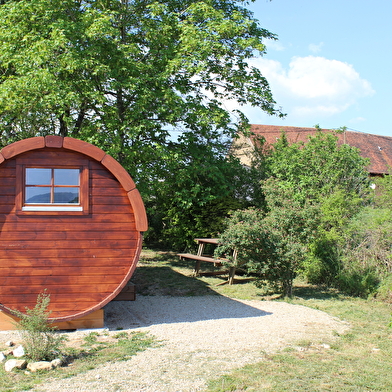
[156, 280]
[319, 292]
[164, 273]
[166, 292]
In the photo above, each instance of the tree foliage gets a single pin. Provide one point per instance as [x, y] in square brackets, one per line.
[318, 168]
[311, 192]
[330, 176]
[272, 245]
[127, 75]
[196, 195]
[125, 72]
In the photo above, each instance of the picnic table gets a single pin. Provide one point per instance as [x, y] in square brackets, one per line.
[201, 256]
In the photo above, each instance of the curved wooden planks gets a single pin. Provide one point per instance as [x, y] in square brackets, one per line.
[23, 146]
[84, 148]
[53, 141]
[138, 210]
[119, 172]
[87, 258]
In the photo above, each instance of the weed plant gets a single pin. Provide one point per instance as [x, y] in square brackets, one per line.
[93, 352]
[40, 339]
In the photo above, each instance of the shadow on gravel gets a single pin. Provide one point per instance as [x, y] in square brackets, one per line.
[167, 293]
[152, 310]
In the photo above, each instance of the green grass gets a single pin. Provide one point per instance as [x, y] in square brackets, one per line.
[92, 353]
[163, 273]
[359, 360]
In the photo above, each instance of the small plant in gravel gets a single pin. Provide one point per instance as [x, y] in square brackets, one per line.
[91, 338]
[121, 335]
[82, 359]
[39, 336]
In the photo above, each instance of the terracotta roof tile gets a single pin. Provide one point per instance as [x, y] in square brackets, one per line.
[375, 147]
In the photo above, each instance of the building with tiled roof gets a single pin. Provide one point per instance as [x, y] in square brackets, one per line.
[375, 147]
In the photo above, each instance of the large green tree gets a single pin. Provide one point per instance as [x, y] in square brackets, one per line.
[127, 75]
[319, 168]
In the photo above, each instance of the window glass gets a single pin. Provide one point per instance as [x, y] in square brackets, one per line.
[52, 186]
[53, 190]
[66, 195]
[38, 176]
[66, 176]
[37, 195]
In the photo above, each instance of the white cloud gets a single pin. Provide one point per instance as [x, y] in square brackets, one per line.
[357, 120]
[322, 110]
[314, 85]
[272, 44]
[316, 48]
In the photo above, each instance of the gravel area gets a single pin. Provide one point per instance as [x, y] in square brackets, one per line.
[202, 338]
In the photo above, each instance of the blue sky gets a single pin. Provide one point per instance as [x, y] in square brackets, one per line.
[331, 65]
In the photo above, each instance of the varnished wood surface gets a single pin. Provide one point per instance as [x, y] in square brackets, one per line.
[74, 262]
[92, 320]
[84, 148]
[82, 261]
[119, 172]
[61, 270]
[54, 141]
[22, 146]
[136, 201]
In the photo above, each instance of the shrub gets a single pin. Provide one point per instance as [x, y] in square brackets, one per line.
[323, 261]
[39, 337]
[357, 282]
[368, 242]
[384, 291]
[359, 254]
[272, 245]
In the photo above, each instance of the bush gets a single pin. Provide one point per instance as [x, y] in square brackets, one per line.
[384, 291]
[39, 337]
[366, 253]
[359, 283]
[323, 261]
[272, 245]
[368, 241]
[383, 192]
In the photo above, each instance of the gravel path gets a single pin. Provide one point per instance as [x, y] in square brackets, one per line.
[203, 337]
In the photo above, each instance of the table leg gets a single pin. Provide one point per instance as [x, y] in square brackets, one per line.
[200, 250]
[197, 268]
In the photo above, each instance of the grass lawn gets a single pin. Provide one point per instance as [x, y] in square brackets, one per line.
[360, 360]
[95, 350]
[162, 273]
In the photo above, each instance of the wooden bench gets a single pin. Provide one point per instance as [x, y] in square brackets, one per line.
[199, 259]
[209, 259]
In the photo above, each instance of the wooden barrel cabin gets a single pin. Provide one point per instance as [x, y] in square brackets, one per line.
[71, 224]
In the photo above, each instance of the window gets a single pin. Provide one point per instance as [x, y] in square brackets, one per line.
[52, 187]
[62, 189]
